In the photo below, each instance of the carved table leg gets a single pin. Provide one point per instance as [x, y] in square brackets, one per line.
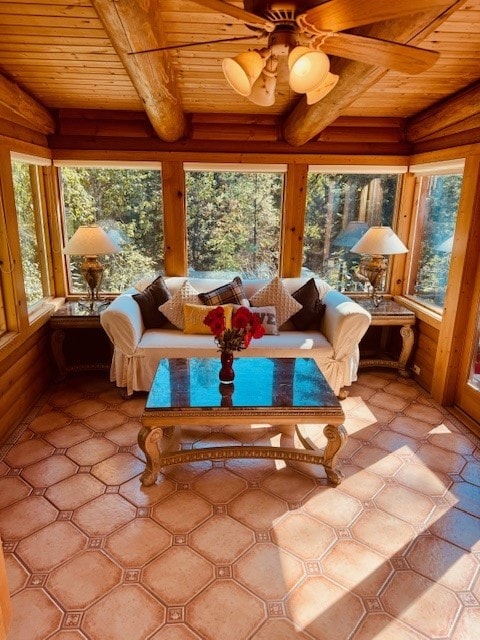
[148, 440]
[407, 345]
[336, 440]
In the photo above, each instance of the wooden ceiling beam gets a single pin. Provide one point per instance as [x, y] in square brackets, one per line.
[446, 116]
[21, 108]
[307, 121]
[136, 26]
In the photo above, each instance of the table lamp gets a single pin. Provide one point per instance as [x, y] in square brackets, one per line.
[91, 241]
[376, 244]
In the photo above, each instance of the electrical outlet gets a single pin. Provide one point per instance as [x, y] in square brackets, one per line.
[416, 369]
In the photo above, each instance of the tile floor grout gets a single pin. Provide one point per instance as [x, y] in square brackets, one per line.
[241, 549]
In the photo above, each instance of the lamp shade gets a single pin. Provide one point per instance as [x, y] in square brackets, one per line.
[242, 71]
[326, 86]
[308, 69]
[379, 241]
[90, 241]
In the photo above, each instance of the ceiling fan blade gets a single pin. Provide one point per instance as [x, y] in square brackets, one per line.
[338, 15]
[391, 55]
[185, 45]
[236, 12]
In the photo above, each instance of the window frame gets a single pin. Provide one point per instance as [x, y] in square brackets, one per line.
[421, 172]
[280, 168]
[399, 170]
[37, 166]
[149, 165]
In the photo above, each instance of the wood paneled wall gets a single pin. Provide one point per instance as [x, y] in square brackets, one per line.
[27, 370]
[24, 375]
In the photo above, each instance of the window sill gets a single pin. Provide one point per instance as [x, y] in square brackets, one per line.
[423, 313]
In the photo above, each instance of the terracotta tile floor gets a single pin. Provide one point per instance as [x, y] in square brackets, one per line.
[241, 549]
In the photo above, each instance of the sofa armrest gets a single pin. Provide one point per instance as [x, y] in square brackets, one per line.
[344, 323]
[123, 323]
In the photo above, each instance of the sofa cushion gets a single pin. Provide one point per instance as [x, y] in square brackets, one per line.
[195, 314]
[154, 295]
[268, 318]
[311, 313]
[274, 294]
[232, 292]
[173, 308]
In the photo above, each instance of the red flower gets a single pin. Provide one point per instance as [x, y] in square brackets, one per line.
[245, 326]
[241, 318]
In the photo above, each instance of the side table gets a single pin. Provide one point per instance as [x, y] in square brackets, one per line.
[389, 313]
[77, 339]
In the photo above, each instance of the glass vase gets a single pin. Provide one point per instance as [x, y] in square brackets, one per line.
[226, 373]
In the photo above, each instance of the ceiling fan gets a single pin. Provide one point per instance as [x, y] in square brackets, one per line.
[305, 31]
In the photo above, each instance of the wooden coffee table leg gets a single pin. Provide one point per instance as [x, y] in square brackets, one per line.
[148, 440]
[336, 439]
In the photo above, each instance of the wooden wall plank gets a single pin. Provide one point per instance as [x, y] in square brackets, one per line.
[293, 223]
[174, 219]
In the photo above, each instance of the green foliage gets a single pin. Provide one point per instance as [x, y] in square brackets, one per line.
[439, 214]
[233, 222]
[128, 204]
[334, 200]
[27, 232]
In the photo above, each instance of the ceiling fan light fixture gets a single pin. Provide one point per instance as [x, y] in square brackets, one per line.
[320, 92]
[242, 71]
[263, 90]
[308, 69]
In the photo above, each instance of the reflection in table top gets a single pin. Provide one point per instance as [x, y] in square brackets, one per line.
[82, 310]
[386, 307]
[189, 383]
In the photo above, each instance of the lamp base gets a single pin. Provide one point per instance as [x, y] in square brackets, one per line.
[374, 268]
[92, 271]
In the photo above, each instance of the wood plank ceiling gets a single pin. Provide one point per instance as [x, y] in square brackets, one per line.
[75, 54]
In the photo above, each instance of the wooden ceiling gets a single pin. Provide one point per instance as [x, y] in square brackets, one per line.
[57, 55]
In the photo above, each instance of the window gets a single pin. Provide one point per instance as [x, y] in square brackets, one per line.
[233, 222]
[340, 208]
[128, 205]
[436, 216]
[29, 203]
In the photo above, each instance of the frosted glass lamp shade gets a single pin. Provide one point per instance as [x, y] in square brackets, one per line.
[308, 69]
[379, 241]
[242, 71]
[320, 92]
[90, 241]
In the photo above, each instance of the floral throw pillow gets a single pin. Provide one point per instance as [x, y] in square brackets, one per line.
[173, 308]
[275, 294]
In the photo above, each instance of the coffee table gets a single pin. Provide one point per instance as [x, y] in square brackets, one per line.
[287, 392]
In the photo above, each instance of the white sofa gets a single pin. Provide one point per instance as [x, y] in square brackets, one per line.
[137, 351]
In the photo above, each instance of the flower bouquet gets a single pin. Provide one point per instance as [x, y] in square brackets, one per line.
[245, 326]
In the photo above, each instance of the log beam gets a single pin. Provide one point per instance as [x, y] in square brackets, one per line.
[446, 116]
[305, 122]
[19, 107]
[136, 26]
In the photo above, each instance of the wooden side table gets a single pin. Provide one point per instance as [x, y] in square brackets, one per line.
[77, 339]
[389, 313]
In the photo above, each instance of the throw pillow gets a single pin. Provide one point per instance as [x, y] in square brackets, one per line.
[311, 313]
[194, 315]
[152, 297]
[275, 294]
[268, 318]
[232, 292]
[173, 308]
